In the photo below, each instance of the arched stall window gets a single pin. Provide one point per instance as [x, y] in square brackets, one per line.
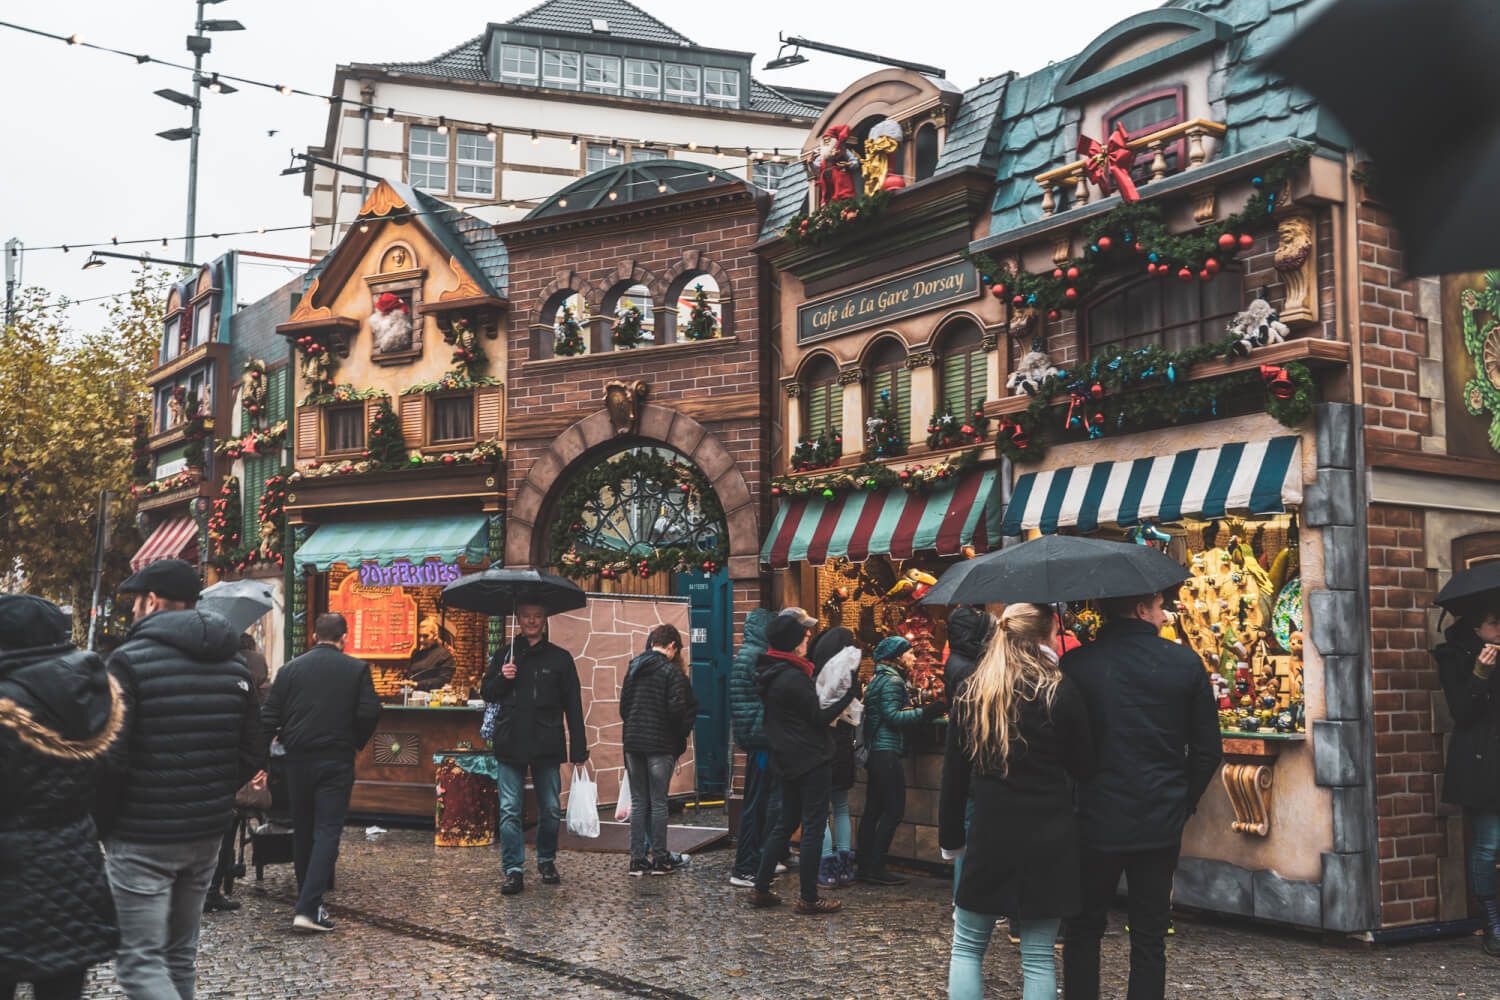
[700, 308]
[621, 299]
[961, 368]
[822, 399]
[1164, 312]
[565, 327]
[887, 373]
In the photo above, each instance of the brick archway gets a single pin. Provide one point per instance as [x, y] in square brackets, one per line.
[532, 501]
[627, 273]
[568, 281]
[694, 262]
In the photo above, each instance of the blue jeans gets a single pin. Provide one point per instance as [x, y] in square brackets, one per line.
[759, 813]
[159, 891]
[958, 862]
[837, 836]
[1485, 827]
[546, 780]
[650, 775]
[971, 936]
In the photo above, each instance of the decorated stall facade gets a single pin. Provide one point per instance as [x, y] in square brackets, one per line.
[396, 484]
[637, 421]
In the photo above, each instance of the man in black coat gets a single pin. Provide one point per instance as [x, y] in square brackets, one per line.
[658, 710]
[190, 740]
[1156, 731]
[324, 709]
[968, 631]
[801, 741]
[536, 689]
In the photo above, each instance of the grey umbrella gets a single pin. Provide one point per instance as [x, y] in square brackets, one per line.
[1057, 568]
[241, 602]
[497, 591]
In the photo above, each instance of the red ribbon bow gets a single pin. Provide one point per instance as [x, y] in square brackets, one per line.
[1108, 166]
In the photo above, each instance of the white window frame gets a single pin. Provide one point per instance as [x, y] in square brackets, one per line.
[520, 55]
[431, 139]
[645, 67]
[203, 321]
[562, 81]
[601, 64]
[645, 154]
[683, 94]
[171, 333]
[605, 159]
[484, 166]
[727, 83]
[759, 168]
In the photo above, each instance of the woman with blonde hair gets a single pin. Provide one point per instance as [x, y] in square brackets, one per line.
[1018, 739]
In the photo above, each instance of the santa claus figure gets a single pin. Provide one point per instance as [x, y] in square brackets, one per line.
[391, 324]
[836, 166]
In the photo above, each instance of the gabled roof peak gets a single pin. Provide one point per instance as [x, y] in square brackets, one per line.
[609, 18]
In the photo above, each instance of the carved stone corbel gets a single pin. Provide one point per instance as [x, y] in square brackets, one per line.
[793, 388]
[989, 342]
[921, 359]
[1249, 788]
[1062, 250]
[1205, 208]
[1296, 259]
[851, 376]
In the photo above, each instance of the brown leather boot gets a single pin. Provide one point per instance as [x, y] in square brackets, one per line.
[817, 906]
[760, 900]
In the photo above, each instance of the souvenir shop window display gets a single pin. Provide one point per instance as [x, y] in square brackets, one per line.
[881, 597]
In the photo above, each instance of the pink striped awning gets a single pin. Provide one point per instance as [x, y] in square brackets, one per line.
[895, 522]
[169, 541]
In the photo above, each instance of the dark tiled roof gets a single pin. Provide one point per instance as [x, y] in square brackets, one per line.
[464, 61]
[487, 249]
[1260, 109]
[774, 102]
[788, 200]
[974, 137]
[457, 232]
[576, 17]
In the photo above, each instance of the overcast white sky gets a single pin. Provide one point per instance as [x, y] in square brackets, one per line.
[81, 161]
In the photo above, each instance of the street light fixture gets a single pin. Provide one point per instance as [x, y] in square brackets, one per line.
[96, 259]
[177, 97]
[199, 45]
[178, 134]
[798, 43]
[226, 25]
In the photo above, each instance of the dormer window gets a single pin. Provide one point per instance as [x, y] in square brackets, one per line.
[518, 63]
[601, 74]
[1147, 113]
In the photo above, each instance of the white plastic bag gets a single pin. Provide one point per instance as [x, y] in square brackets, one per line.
[583, 805]
[622, 807]
[836, 676]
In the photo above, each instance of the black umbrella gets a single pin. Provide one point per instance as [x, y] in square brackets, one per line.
[1413, 81]
[497, 591]
[1468, 584]
[1057, 568]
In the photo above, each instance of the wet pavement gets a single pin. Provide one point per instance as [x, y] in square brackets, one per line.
[418, 921]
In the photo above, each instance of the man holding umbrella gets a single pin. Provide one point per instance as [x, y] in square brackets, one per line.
[536, 685]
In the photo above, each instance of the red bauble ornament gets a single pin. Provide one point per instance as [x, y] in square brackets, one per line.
[1139, 248]
[1096, 390]
[1052, 314]
[1057, 274]
[1151, 268]
[1185, 274]
[1017, 300]
[1246, 241]
[776, 491]
[997, 290]
[1227, 242]
[1204, 274]
[1071, 293]
[1211, 266]
[684, 487]
[905, 473]
[1105, 243]
[1073, 274]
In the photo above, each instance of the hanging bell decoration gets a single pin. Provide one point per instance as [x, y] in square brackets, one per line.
[1278, 381]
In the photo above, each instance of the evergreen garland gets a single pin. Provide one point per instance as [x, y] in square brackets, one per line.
[224, 518]
[945, 430]
[385, 446]
[575, 559]
[569, 342]
[702, 323]
[834, 220]
[875, 476]
[817, 453]
[256, 394]
[195, 430]
[268, 546]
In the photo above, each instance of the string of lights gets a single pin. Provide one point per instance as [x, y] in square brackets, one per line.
[215, 83]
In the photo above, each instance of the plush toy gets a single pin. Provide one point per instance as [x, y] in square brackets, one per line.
[880, 155]
[835, 166]
[391, 324]
[1034, 369]
[1257, 326]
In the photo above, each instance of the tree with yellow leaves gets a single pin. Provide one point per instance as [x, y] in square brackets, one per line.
[68, 402]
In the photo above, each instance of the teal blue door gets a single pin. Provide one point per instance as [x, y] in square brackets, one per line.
[712, 641]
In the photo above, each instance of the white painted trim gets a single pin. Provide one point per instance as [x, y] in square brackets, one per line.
[1414, 489]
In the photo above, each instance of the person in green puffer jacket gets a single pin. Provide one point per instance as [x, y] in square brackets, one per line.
[888, 713]
[747, 715]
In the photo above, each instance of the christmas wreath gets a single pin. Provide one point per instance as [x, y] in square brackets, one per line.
[576, 559]
[702, 324]
[629, 329]
[817, 453]
[569, 335]
[834, 220]
[875, 476]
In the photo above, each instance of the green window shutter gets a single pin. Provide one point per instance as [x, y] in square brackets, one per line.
[976, 380]
[879, 384]
[253, 485]
[817, 411]
[902, 399]
[836, 409]
[955, 373]
[277, 388]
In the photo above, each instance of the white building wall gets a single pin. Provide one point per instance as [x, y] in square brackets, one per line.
[526, 172]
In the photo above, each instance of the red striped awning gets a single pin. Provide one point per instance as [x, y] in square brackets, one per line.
[169, 541]
[896, 522]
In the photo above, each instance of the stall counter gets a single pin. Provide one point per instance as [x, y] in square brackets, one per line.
[394, 775]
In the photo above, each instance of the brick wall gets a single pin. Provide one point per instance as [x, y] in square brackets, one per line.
[1392, 339]
[1408, 752]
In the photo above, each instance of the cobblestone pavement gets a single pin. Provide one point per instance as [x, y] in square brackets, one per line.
[415, 921]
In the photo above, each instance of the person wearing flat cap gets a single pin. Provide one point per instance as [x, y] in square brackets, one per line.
[888, 713]
[191, 738]
[801, 740]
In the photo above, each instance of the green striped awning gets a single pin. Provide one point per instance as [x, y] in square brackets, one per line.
[414, 539]
[894, 522]
[1259, 477]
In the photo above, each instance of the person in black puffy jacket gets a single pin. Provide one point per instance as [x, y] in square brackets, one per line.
[191, 740]
[1155, 726]
[658, 710]
[1467, 668]
[58, 716]
[969, 630]
[761, 804]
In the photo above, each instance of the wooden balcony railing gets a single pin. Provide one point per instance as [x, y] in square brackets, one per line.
[1072, 175]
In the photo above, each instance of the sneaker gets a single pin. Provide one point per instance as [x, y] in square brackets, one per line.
[742, 881]
[638, 868]
[846, 867]
[216, 901]
[818, 906]
[669, 864]
[780, 868]
[882, 876]
[548, 871]
[761, 900]
[828, 873]
[307, 925]
[514, 883]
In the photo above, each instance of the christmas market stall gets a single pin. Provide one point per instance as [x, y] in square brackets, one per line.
[396, 485]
